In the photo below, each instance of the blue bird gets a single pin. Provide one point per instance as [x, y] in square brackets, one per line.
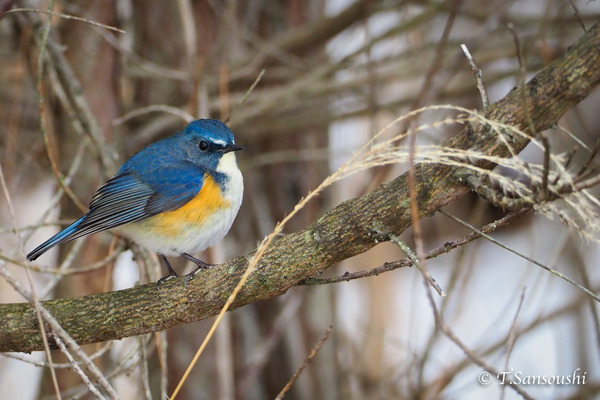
[177, 196]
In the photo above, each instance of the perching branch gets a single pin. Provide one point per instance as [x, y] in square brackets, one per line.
[351, 228]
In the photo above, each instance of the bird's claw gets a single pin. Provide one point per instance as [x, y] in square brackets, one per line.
[164, 279]
[194, 273]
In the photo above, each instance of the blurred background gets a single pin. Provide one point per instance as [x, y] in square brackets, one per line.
[335, 73]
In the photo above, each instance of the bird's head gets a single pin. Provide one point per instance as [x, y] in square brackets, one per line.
[209, 142]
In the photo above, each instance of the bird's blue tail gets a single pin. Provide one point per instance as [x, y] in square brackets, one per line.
[61, 237]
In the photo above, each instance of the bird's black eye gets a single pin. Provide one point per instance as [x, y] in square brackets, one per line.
[203, 145]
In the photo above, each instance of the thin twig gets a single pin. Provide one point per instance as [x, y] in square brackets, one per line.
[67, 16]
[310, 357]
[590, 158]
[77, 368]
[580, 265]
[162, 345]
[522, 77]
[416, 262]
[417, 232]
[17, 356]
[474, 357]
[246, 95]
[485, 101]
[34, 299]
[512, 339]
[407, 262]
[531, 260]
[441, 324]
[187, 117]
[543, 190]
[143, 366]
[189, 33]
[578, 16]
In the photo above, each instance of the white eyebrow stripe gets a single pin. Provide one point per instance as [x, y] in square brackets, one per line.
[219, 142]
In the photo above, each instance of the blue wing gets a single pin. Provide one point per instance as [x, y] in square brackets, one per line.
[131, 196]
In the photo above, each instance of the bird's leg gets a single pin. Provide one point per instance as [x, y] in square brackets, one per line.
[172, 272]
[201, 265]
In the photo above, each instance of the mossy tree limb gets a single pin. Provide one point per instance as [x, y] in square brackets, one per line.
[345, 231]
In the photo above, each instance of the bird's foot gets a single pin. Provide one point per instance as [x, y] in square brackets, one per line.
[195, 272]
[164, 279]
[201, 265]
[172, 273]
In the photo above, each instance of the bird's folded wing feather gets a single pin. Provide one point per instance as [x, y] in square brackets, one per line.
[130, 197]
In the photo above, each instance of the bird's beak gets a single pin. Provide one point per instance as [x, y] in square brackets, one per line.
[232, 147]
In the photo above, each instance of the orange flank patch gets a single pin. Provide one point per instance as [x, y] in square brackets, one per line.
[192, 214]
